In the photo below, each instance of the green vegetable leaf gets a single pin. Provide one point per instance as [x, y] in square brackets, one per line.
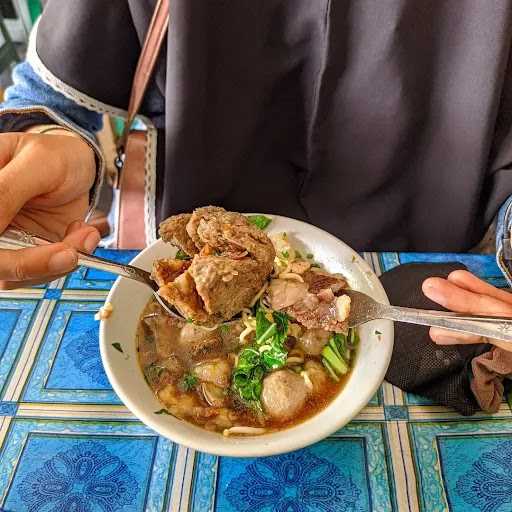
[188, 382]
[285, 254]
[248, 375]
[260, 221]
[268, 334]
[268, 353]
[248, 359]
[309, 256]
[340, 341]
[282, 320]
[353, 338]
[262, 323]
[224, 328]
[163, 411]
[152, 373]
[328, 367]
[275, 357]
[181, 255]
[118, 347]
[334, 354]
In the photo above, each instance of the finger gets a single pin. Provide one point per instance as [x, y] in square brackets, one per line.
[446, 337]
[37, 263]
[82, 237]
[470, 282]
[454, 298]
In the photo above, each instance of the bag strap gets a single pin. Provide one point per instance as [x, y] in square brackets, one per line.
[145, 66]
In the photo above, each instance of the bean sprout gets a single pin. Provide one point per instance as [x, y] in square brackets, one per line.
[307, 380]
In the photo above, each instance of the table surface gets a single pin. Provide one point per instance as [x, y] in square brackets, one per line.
[68, 444]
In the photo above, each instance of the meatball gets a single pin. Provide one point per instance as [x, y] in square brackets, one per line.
[313, 341]
[284, 394]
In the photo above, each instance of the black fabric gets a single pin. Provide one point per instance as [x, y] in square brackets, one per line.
[418, 365]
[385, 123]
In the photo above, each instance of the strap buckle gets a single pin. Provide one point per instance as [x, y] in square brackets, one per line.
[118, 164]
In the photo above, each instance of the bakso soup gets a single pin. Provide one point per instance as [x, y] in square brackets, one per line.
[264, 343]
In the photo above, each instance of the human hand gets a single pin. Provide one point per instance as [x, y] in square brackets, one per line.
[45, 181]
[463, 292]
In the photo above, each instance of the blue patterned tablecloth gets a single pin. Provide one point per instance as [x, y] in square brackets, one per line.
[67, 443]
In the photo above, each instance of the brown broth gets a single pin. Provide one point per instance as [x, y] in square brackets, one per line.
[161, 343]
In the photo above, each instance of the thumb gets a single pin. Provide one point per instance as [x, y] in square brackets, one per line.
[82, 236]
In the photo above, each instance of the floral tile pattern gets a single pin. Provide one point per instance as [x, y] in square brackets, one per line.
[70, 342]
[73, 467]
[331, 475]
[68, 444]
[464, 466]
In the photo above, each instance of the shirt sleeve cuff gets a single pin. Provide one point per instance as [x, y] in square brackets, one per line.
[19, 119]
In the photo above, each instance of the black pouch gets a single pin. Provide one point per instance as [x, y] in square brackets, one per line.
[418, 365]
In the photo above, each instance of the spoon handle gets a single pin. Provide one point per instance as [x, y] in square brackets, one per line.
[14, 238]
[499, 328]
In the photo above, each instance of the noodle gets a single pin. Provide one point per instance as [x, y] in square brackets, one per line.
[258, 295]
[294, 360]
[244, 334]
[291, 275]
[250, 431]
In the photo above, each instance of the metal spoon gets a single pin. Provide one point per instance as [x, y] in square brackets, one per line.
[364, 309]
[19, 239]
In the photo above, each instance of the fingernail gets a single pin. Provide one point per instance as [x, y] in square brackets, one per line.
[92, 241]
[63, 261]
[430, 290]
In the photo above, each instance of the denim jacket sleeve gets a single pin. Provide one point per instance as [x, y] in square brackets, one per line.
[30, 101]
[29, 91]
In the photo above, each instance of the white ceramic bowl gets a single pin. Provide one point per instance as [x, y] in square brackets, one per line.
[129, 298]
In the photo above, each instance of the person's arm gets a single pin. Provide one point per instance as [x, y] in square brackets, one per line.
[41, 193]
[29, 98]
[30, 101]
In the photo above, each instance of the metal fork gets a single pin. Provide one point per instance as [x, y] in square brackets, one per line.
[14, 238]
[364, 309]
